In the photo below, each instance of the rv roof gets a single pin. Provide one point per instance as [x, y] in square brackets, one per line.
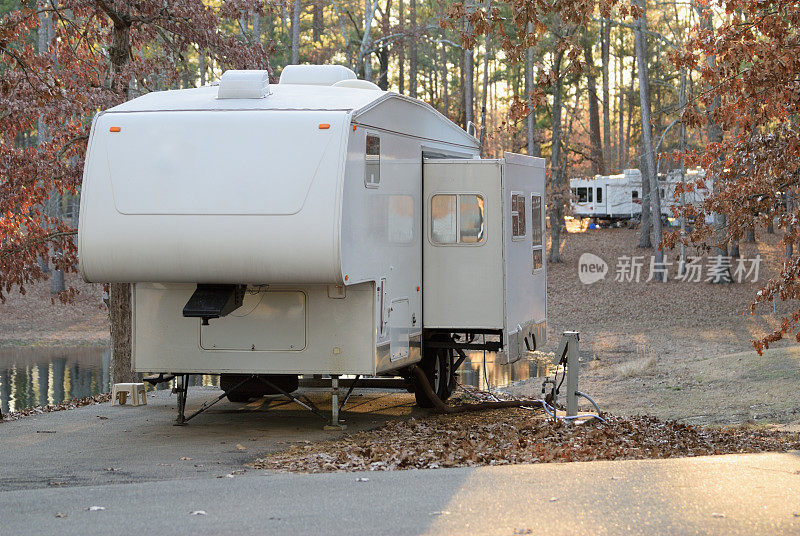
[411, 116]
[281, 97]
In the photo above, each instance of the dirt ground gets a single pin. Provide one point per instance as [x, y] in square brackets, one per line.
[678, 350]
[37, 317]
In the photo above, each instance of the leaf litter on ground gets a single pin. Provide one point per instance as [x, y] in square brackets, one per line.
[511, 436]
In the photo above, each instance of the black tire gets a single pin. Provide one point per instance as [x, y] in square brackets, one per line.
[447, 387]
[437, 366]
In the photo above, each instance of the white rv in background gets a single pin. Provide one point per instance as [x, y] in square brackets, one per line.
[319, 226]
[619, 197]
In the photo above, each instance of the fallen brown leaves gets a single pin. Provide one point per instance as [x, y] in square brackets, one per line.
[513, 436]
[72, 404]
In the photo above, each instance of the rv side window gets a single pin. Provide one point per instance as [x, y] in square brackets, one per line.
[457, 219]
[599, 195]
[443, 219]
[517, 215]
[582, 195]
[536, 220]
[372, 175]
[590, 194]
[537, 236]
[471, 219]
[634, 195]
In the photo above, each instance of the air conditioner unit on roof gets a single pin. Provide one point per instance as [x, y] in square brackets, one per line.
[316, 75]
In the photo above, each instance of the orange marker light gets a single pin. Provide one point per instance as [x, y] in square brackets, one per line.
[418, 289]
[114, 129]
[354, 128]
[346, 277]
[324, 126]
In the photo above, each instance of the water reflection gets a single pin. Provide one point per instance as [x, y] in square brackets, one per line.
[37, 376]
[472, 373]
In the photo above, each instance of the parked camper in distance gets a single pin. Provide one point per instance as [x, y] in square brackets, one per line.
[318, 226]
[619, 197]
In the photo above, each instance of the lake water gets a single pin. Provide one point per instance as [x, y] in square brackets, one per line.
[37, 376]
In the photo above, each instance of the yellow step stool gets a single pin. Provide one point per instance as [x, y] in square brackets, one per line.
[120, 391]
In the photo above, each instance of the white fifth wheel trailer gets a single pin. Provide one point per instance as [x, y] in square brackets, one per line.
[619, 197]
[318, 226]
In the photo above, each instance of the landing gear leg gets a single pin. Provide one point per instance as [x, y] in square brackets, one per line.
[335, 424]
[181, 389]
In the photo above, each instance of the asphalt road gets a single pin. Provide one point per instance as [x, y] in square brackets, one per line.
[105, 444]
[737, 494]
[56, 467]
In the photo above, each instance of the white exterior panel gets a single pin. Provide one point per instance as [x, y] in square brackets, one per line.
[206, 205]
[525, 284]
[339, 333]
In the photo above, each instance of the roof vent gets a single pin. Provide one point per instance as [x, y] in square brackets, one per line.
[357, 84]
[316, 75]
[243, 85]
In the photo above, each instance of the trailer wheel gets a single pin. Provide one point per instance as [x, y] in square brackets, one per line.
[438, 368]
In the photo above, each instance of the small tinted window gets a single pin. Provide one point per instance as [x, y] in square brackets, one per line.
[590, 192]
[443, 219]
[537, 232]
[457, 219]
[536, 220]
[635, 194]
[517, 215]
[372, 175]
[538, 255]
[582, 195]
[599, 195]
[471, 222]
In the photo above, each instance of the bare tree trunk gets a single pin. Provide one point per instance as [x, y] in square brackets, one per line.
[683, 139]
[469, 74]
[43, 45]
[734, 249]
[318, 22]
[256, 27]
[715, 135]
[296, 8]
[445, 81]
[383, 52]
[530, 121]
[119, 309]
[119, 305]
[648, 156]
[627, 148]
[556, 171]
[412, 51]
[598, 163]
[620, 109]
[401, 53]
[485, 90]
[605, 36]
[750, 235]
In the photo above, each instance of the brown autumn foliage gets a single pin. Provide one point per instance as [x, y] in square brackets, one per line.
[750, 72]
[102, 53]
[503, 437]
